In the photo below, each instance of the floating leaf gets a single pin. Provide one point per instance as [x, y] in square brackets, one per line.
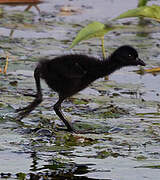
[144, 11]
[93, 30]
[21, 176]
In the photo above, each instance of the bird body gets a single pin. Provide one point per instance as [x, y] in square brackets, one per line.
[68, 74]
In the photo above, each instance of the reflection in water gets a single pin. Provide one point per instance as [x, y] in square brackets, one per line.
[34, 162]
[30, 4]
[57, 170]
[29, 7]
[143, 24]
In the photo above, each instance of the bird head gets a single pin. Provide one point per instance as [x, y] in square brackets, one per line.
[127, 56]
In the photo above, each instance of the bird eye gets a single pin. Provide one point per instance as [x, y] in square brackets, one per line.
[129, 55]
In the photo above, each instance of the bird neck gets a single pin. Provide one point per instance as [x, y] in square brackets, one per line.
[109, 65]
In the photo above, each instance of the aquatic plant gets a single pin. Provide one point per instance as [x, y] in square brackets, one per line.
[94, 30]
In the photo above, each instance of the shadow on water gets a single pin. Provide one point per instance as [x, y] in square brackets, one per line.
[58, 171]
[15, 4]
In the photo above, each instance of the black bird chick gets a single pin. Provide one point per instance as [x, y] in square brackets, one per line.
[68, 74]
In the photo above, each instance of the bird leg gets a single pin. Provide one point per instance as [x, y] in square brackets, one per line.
[26, 110]
[38, 97]
[57, 108]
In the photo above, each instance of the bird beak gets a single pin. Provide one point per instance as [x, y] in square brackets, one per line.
[140, 62]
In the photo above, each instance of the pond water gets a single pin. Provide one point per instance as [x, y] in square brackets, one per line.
[121, 113]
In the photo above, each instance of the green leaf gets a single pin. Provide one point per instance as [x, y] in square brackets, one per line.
[142, 3]
[145, 11]
[93, 30]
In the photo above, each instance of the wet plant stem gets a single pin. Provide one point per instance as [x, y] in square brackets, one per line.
[104, 53]
[6, 66]
[103, 49]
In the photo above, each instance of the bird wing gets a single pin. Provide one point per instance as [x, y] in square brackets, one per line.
[73, 70]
